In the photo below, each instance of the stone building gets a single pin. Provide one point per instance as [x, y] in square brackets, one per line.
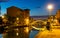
[17, 12]
[58, 14]
[22, 16]
[14, 11]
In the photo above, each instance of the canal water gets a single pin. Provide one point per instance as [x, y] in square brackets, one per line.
[1, 35]
[31, 35]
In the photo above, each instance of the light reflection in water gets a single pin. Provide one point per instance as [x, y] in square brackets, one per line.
[17, 33]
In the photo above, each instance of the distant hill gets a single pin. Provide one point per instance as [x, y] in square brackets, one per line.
[40, 17]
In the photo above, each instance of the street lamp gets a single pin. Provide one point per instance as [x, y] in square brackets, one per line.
[50, 8]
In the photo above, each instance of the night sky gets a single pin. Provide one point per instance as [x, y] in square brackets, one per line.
[37, 7]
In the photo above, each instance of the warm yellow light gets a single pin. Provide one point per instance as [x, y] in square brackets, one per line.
[4, 20]
[45, 22]
[17, 24]
[17, 29]
[17, 18]
[50, 7]
[55, 20]
[26, 30]
[27, 21]
[3, 16]
[17, 33]
[6, 27]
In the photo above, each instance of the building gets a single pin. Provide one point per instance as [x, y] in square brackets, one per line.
[14, 11]
[58, 14]
[22, 18]
[23, 14]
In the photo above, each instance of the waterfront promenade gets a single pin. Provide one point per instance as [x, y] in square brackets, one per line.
[54, 33]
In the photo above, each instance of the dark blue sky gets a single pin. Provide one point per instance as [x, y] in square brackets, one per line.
[37, 7]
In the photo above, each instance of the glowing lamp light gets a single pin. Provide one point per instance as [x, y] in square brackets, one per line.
[17, 18]
[50, 6]
[3, 16]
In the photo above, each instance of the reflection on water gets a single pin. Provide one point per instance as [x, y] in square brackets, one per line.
[13, 34]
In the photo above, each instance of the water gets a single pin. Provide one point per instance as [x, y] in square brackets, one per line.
[1, 35]
[32, 34]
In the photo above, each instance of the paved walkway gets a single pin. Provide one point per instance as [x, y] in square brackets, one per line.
[55, 33]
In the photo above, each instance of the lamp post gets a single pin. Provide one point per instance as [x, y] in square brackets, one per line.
[50, 8]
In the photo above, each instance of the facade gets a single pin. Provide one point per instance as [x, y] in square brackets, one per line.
[26, 13]
[14, 11]
[58, 14]
[22, 14]
[22, 18]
